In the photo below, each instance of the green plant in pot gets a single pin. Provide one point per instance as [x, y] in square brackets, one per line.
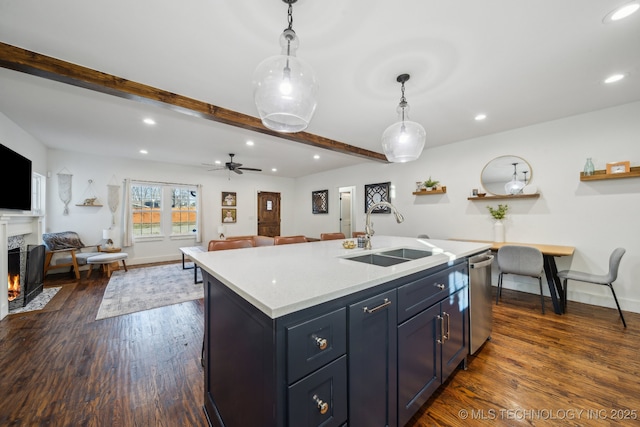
[430, 183]
[498, 213]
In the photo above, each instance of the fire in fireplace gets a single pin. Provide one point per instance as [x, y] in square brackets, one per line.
[26, 275]
[14, 286]
[14, 273]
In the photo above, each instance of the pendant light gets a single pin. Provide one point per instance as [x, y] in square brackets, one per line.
[403, 141]
[284, 86]
[514, 186]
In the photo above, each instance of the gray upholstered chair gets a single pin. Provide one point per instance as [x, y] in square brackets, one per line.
[520, 260]
[69, 251]
[604, 279]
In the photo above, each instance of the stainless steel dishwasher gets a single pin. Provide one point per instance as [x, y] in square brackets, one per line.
[480, 300]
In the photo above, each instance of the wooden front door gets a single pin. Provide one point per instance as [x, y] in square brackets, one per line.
[268, 214]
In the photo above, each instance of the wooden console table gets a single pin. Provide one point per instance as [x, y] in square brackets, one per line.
[549, 252]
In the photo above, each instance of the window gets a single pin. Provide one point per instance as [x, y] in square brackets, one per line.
[163, 209]
[183, 213]
[146, 202]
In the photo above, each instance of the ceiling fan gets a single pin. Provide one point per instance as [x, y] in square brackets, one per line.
[235, 167]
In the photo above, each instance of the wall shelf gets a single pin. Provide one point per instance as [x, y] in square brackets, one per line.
[513, 196]
[602, 174]
[90, 206]
[442, 190]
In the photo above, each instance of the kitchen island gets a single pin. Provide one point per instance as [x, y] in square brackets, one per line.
[300, 335]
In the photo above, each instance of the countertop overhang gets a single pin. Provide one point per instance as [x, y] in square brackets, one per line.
[279, 280]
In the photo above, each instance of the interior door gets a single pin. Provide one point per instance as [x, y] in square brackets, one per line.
[345, 213]
[268, 214]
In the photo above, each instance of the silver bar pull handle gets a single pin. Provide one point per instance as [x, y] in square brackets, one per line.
[380, 307]
[441, 319]
[446, 335]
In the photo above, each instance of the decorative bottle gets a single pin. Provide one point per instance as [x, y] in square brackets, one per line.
[588, 167]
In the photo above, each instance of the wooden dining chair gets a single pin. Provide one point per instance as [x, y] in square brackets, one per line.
[357, 234]
[286, 240]
[604, 279]
[230, 244]
[332, 236]
[522, 261]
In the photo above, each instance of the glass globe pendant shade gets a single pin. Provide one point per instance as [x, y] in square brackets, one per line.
[285, 89]
[514, 186]
[404, 140]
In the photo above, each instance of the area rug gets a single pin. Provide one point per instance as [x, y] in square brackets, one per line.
[38, 302]
[145, 288]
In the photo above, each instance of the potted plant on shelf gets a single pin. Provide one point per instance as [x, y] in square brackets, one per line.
[498, 227]
[431, 184]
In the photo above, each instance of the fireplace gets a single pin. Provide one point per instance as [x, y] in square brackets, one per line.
[16, 231]
[25, 275]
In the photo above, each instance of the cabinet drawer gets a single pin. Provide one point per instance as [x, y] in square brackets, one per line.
[422, 293]
[321, 398]
[315, 343]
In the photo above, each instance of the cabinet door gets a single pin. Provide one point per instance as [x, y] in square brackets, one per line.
[372, 361]
[418, 361]
[320, 399]
[455, 312]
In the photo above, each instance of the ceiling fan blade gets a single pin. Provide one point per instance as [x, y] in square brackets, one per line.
[251, 169]
[238, 171]
[216, 169]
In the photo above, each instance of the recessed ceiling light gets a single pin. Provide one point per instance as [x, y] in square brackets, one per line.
[614, 78]
[480, 117]
[274, 170]
[149, 121]
[144, 152]
[316, 156]
[622, 11]
[249, 142]
[218, 162]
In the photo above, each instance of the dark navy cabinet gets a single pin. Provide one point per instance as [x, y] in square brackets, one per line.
[368, 359]
[372, 359]
[432, 336]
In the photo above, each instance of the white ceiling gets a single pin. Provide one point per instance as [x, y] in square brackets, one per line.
[519, 62]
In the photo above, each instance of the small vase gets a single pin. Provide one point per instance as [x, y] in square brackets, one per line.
[498, 231]
[588, 167]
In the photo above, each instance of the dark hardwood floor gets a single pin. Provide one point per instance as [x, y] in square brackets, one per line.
[61, 367]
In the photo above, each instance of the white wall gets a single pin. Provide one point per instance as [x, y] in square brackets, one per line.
[595, 216]
[14, 137]
[90, 221]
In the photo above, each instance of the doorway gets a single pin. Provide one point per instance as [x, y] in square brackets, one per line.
[346, 210]
[268, 214]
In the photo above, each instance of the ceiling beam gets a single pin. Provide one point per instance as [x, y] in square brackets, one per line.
[18, 59]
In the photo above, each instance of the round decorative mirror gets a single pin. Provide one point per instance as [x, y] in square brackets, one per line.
[506, 175]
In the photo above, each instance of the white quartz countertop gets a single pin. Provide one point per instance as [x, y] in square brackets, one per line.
[283, 279]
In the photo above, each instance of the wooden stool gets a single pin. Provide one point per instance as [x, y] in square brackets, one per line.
[109, 262]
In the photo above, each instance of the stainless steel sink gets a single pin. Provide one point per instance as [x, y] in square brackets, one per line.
[380, 260]
[407, 253]
[391, 257]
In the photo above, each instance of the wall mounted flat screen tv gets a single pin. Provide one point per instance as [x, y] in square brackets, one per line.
[16, 179]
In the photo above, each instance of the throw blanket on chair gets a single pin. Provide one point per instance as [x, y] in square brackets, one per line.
[62, 240]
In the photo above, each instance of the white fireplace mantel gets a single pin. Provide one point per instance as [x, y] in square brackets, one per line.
[29, 226]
